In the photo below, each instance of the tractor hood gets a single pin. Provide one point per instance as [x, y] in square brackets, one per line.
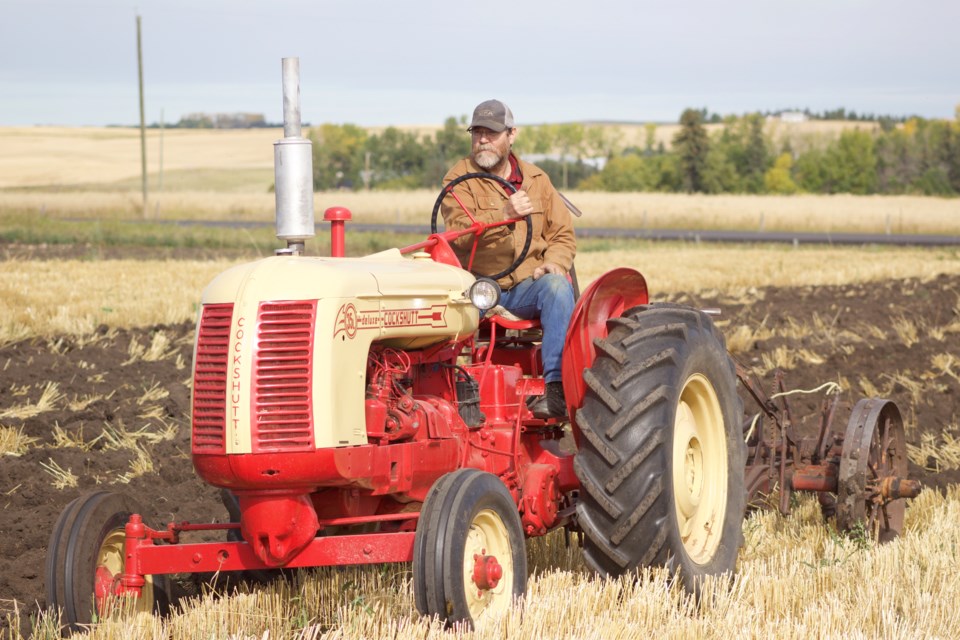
[382, 274]
[326, 313]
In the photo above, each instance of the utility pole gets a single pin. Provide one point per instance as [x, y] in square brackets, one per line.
[156, 210]
[143, 123]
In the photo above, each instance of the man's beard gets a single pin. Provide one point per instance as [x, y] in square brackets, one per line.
[487, 159]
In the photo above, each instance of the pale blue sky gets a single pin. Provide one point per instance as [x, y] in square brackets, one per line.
[73, 62]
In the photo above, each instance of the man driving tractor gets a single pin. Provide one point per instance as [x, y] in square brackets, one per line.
[538, 287]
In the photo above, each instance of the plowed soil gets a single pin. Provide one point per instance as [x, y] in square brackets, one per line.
[107, 396]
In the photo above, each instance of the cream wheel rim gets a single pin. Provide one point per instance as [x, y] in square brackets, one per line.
[699, 469]
[487, 537]
[110, 564]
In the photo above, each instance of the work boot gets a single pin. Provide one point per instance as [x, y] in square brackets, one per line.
[552, 404]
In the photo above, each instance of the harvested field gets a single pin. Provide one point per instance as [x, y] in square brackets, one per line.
[110, 410]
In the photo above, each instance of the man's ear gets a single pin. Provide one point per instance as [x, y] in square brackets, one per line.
[512, 135]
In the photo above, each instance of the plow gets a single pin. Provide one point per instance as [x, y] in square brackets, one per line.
[859, 473]
[374, 409]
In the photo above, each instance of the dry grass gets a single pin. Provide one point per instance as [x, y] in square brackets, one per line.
[48, 400]
[936, 454]
[62, 478]
[812, 213]
[72, 439]
[796, 579]
[31, 156]
[13, 441]
[737, 270]
[78, 296]
[906, 330]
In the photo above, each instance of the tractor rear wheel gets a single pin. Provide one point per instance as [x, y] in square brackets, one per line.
[469, 557]
[85, 560]
[661, 458]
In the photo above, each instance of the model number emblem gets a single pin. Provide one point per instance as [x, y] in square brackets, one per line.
[350, 320]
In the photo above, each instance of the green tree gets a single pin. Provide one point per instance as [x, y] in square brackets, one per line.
[756, 154]
[569, 140]
[691, 145]
[448, 145]
[602, 141]
[537, 139]
[397, 159]
[337, 155]
[720, 174]
[811, 171]
[899, 161]
[851, 166]
[634, 172]
[624, 173]
[743, 143]
[953, 153]
[650, 136]
[577, 171]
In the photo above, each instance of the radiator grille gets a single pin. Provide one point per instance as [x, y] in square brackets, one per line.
[283, 377]
[210, 379]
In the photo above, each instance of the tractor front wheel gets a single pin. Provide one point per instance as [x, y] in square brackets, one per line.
[469, 558]
[85, 560]
[661, 458]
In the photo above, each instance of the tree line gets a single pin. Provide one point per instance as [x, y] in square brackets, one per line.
[909, 156]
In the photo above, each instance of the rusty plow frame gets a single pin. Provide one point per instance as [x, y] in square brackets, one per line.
[859, 474]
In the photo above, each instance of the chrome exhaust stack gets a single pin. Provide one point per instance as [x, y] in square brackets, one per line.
[293, 169]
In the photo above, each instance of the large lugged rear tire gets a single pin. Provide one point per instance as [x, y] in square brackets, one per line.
[661, 457]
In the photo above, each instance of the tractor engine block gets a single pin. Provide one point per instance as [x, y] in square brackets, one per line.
[393, 413]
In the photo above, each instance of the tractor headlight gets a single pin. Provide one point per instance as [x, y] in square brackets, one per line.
[484, 294]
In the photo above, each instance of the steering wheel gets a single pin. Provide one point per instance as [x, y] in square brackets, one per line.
[484, 226]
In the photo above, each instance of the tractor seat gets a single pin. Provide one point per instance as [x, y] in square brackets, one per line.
[502, 318]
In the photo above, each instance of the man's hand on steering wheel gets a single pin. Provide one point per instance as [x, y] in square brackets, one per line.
[518, 206]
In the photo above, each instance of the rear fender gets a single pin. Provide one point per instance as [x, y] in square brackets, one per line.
[607, 297]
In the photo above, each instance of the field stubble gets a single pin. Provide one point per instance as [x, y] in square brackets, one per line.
[119, 415]
[795, 580]
[800, 213]
[74, 296]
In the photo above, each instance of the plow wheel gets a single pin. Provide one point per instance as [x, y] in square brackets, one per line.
[85, 560]
[469, 558]
[661, 461]
[872, 480]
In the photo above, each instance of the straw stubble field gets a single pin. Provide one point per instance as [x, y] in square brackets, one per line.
[95, 348]
[103, 403]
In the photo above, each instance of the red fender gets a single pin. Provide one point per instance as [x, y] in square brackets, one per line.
[607, 297]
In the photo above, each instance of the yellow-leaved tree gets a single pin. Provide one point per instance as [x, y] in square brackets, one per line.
[777, 179]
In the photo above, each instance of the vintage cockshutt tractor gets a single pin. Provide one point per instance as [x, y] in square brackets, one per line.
[370, 410]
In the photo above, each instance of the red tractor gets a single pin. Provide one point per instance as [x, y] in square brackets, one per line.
[369, 410]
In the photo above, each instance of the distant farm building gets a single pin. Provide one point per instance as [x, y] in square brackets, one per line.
[793, 116]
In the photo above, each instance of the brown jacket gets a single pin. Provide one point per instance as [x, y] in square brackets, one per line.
[553, 239]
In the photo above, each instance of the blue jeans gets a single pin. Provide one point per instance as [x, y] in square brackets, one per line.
[551, 299]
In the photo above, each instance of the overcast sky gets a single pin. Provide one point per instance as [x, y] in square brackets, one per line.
[73, 62]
